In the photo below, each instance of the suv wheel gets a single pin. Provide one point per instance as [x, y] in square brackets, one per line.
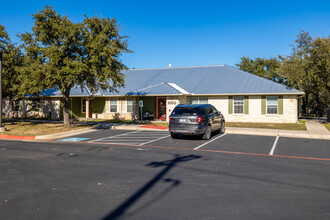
[174, 136]
[223, 128]
[207, 134]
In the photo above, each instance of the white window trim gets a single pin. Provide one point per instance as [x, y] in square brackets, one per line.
[234, 106]
[198, 99]
[82, 102]
[267, 105]
[129, 99]
[110, 105]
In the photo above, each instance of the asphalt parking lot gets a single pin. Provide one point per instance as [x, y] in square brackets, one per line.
[118, 174]
[220, 143]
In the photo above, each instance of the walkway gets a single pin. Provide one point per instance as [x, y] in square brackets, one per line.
[316, 127]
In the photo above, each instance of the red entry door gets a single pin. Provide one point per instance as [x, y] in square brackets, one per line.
[161, 107]
[90, 108]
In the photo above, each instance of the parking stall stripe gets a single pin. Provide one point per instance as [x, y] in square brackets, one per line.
[274, 146]
[218, 151]
[208, 142]
[113, 136]
[154, 140]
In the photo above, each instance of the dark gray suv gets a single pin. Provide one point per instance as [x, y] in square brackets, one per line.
[196, 120]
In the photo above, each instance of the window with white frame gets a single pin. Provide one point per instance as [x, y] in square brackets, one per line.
[83, 105]
[238, 104]
[272, 104]
[129, 105]
[198, 100]
[113, 105]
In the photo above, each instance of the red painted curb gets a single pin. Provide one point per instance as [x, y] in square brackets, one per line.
[155, 127]
[14, 137]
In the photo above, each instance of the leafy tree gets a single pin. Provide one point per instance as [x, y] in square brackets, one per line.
[266, 68]
[62, 54]
[308, 69]
[12, 60]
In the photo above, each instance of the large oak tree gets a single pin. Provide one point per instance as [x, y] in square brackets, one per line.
[266, 68]
[12, 61]
[308, 69]
[60, 53]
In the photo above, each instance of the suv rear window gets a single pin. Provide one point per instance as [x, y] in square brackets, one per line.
[185, 111]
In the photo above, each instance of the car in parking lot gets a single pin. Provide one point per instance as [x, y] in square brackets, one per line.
[196, 119]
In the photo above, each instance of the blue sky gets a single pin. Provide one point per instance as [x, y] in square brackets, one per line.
[189, 33]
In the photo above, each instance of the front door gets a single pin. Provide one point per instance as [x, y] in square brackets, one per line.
[161, 107]
[90, 108]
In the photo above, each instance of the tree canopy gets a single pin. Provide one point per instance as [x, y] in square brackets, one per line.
[12, 60]
[266, 68]
[61, 53]
[307, 68]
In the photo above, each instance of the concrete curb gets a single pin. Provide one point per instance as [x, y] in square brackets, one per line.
[229, 130]
[15, 137]
[64, 134]
[276, 132]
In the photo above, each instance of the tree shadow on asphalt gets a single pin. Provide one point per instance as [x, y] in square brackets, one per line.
[168, 165]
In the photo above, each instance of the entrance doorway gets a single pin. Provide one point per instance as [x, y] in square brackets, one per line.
[90, 110]
[161, 107]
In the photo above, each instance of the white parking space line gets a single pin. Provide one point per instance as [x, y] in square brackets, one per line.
[154, 140]
[208, 142]
[274, 146]
[123, 140]
[113, 136]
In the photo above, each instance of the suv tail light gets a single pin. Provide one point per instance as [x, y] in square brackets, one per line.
[169, 118]
[199, 118]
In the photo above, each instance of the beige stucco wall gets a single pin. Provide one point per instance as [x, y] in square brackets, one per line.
[289, 110]
[46, 106]
[121, 113]
[220, 102]
[171, 102]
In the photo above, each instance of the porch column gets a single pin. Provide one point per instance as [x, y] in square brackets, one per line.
[87, 108]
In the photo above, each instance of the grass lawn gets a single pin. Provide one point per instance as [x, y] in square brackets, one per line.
[327, 125]
[35, 129]
[281, 126]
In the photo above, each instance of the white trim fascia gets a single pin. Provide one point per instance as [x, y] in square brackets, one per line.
[178, 67]
[176, 87]
[247, 94]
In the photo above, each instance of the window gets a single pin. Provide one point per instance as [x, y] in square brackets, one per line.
[129, 106]
[209, 110]
[17, 105]
[239, 105]
[185, 111]
[83, 105]
[113, 105]
[272, 104]
[198, 100]
[35, 105]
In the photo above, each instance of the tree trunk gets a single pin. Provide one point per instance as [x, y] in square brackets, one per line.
[304, 104]
[66, 109]
[11, 107]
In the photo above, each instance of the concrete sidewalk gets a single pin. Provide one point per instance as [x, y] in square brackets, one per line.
[315, 127]
[315, 130]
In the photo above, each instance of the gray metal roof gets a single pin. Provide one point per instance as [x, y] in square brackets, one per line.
[200, 80]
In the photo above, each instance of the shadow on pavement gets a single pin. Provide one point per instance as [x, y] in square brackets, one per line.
[168, 165]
